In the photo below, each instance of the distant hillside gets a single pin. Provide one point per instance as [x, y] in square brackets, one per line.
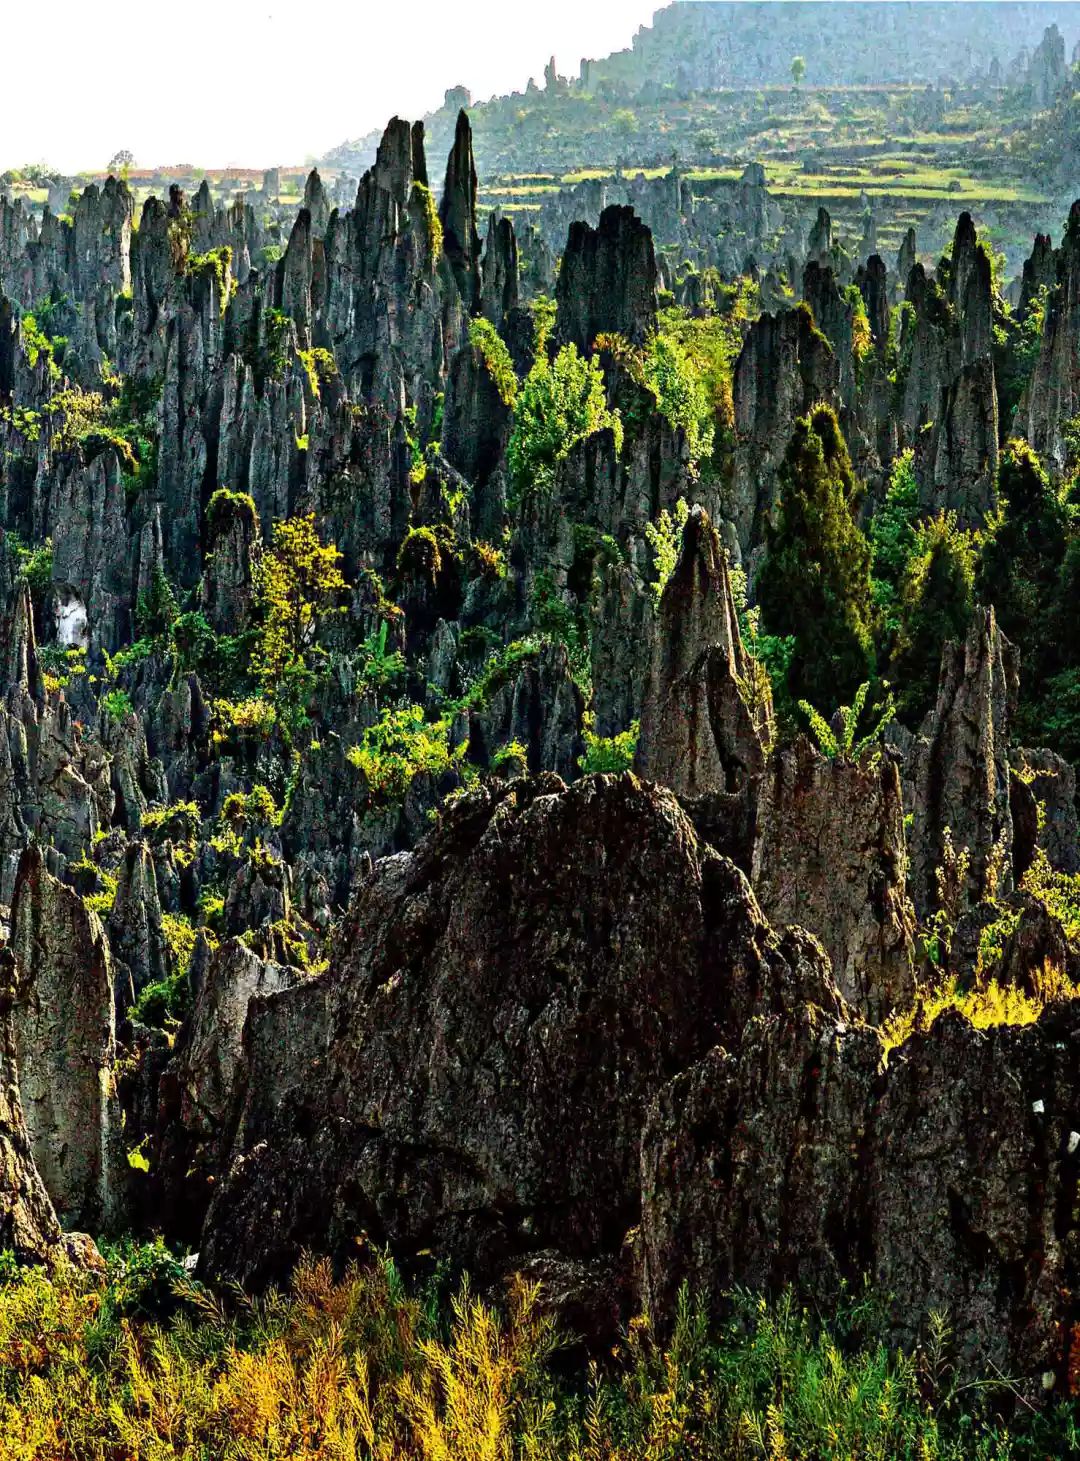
[710, 44]
[696, 46]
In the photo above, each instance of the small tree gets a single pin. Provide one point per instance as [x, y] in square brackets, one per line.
[798, 70]
[560, 403]
[298, 585]
[815, 581]
[937, 595]
[121, 163]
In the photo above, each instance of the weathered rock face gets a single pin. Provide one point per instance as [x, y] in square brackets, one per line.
[623, 634]
[905, 261]
[136, 939]
[28, 1225]
[948, 380]
[960, 767]
[542, 963]
[945, 1176]
[1052, 397]
[785, 367]
[1047, 73]
[1052, 784]
[830, 856]
[541, 709]
[457, 213]
[1040, 272]
[476, 428]
[197, 1088]
[233, 548]
[64, 1031]
[382, 312]
[701, 730]
[499, 286]
[607, 281]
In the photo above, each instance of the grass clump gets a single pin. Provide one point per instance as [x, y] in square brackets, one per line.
[986, 1008]
[148, 1363]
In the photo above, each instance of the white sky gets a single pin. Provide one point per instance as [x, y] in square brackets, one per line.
[258, 82]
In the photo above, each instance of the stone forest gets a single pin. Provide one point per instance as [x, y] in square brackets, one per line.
[539, 720]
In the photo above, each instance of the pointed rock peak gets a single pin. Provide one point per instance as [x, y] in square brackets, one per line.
[316, 201]
[873, 282]
[153, 210]
[21, 667]
[821, 240]
[300, 235]
[203, 203]
[393, 171]
[906, 256]
[419, 161]
[964, 237]
[499, 270]
[457, 213]
[697, 610]
[960, 768]
[700, 735]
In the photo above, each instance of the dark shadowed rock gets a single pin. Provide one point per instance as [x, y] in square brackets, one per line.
[457, 213]
[830, 856]
[1051, 782]
[607, 281]
[499, 271]
[1052, 397]
[786, 366]
[234, 547]
[945, 1176]
[540, 964]
[64, 1029]
[960, 766]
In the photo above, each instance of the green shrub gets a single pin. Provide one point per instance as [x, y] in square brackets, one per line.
[608, 753]
[401, 746]
[424, 201]
[150, 1364]
[491, 347]
[117, 704]
[664, 537]
[560, 403]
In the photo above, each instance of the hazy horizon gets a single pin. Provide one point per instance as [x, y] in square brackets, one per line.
[249, 84]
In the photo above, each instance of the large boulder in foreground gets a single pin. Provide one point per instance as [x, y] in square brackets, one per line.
[471, 1074]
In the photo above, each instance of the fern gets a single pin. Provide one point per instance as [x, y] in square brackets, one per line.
[844, 746]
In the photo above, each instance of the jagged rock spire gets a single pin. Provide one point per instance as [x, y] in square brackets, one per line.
[499, 271]
[960, 767]
[316, 202]
[64, 1029]
[1052, 397]
[829, 855]
[701, 733]
[457, 213]
[607, 282]
[28, 1223]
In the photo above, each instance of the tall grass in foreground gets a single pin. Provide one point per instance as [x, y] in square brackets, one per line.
[148, 1366]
